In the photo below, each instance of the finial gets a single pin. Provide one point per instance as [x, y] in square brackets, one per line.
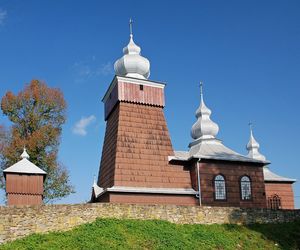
[250, 127]
[132, 63]
[201, 90]
[130, 26]
[204, 128]
[253, 146]
[24, 154]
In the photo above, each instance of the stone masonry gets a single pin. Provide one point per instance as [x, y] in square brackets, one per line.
[19, 221]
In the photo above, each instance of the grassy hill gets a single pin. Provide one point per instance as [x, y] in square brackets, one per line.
[154, 234]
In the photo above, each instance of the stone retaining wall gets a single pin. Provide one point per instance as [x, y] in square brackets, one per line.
[19, 221]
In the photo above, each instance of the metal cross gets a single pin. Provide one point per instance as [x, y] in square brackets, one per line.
[250, 126]
[130, 25]
[201, 89]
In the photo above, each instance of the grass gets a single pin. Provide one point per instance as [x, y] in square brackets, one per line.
[154, 234]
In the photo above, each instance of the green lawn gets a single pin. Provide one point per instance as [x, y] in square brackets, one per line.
[154, 234]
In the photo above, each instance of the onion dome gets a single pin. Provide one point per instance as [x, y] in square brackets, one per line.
[24, 155]
[253, 148]
[132, 64]
[204, 127]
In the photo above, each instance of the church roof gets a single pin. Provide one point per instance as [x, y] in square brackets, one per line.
[24, 166]
[270, 176]
[214, 150]
[96, 189]
[205, 144]
[148, 190]
[253, 152]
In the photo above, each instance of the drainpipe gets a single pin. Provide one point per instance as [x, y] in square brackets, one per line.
[199, 188]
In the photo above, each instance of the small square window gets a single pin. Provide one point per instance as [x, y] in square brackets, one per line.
[141, 87]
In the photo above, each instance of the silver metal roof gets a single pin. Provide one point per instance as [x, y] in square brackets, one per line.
[253, 147]
[213, 149]
[270, 176]
[122, 189]
[97, 190]
[24, 166]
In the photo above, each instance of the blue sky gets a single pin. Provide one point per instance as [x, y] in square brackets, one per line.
[246, 52]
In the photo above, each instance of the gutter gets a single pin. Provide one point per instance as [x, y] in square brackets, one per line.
[199, 187]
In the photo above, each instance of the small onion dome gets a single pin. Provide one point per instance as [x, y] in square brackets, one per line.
[204, 127]
[24, 155]
[253, 148]
[132, 64]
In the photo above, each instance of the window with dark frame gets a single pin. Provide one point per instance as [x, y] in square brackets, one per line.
[220, 187]
[274, 202]
[141, 87]
[246, 188]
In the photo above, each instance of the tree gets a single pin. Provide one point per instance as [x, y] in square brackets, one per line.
[37, 114]
[2, 138]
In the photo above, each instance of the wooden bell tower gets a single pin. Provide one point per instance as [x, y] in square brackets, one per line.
[24, 182]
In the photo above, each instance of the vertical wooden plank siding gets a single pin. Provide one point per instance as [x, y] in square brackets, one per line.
[131, 92]
[24, 184]
[24, 199]
[150, 95]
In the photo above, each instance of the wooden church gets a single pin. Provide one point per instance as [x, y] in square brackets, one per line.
[139, 164]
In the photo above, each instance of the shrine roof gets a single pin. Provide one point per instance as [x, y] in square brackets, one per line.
[24, 166]
[270, 176]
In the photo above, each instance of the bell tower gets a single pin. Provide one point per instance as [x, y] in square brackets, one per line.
[134, 166]
[24, 182]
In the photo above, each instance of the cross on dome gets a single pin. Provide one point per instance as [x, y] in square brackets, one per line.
[130, 26]
[250, 126]
[201, 90]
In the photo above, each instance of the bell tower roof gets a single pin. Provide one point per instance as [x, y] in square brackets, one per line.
[24, 166]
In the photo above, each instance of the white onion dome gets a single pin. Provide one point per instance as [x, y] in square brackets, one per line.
[24, 155]
[132, 64]
[204, 127]
[253, 148]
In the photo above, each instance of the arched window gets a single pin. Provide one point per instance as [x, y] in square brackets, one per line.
[220, 187]
[246, 188]
[274, 202]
